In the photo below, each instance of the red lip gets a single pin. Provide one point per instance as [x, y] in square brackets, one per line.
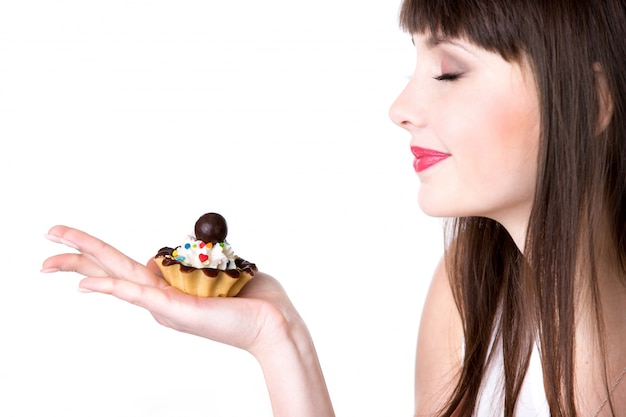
[425, 158]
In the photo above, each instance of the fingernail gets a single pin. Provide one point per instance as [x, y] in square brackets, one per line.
[57, 239]
[49, 270]
[84, 290]
[52, 238]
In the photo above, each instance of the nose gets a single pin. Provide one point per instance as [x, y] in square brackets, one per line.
[408, 111]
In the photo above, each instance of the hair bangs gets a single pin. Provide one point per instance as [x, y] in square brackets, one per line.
[493, 25]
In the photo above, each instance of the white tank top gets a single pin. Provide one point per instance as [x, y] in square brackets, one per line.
[532, 400]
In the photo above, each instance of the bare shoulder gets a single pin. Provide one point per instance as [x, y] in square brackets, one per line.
[439, 346]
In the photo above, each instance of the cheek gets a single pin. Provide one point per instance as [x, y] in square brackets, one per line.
[469, 131]
[495, 134]
[516, 132]
[512, 144]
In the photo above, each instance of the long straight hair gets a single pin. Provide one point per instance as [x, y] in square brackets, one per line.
[519, 299]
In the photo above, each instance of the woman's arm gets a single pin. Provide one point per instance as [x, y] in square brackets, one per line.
[439, 347]
[261, 320]
[293, 375]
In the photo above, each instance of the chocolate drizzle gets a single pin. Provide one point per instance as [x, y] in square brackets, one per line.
[242, 265]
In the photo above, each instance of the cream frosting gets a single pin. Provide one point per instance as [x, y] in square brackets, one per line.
[198, 254]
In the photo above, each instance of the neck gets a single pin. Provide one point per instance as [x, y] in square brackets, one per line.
[516, 224]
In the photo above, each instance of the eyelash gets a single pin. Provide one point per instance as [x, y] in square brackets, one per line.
[448, 77]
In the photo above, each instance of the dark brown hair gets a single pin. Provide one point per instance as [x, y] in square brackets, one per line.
[569, 45]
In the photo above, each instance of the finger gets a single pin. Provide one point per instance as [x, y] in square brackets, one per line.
[153, 267]
[114, 262]
[73, 262]
[150, 298]
[217, 318]
[168, 305]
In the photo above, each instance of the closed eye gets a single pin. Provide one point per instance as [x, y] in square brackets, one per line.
[448, 77]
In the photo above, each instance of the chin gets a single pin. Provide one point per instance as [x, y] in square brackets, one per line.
[445, 208]
[435, 209]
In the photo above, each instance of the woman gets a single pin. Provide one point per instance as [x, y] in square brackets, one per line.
[526, 116]
[516, 111]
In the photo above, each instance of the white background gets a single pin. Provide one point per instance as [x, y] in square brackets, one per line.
[129, 119]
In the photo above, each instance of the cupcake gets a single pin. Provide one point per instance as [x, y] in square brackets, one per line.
[205, 264]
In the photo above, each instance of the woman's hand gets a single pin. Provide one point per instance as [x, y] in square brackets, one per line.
[261, 319]
[260, 315]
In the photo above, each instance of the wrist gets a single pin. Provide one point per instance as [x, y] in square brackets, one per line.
[292, 372]
[289, 334]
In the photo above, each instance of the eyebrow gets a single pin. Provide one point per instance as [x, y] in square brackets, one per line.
[433, 41]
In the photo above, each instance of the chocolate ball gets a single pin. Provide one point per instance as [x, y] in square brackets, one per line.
[211, 228]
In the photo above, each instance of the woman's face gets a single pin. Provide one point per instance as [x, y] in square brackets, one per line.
[474, 124]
